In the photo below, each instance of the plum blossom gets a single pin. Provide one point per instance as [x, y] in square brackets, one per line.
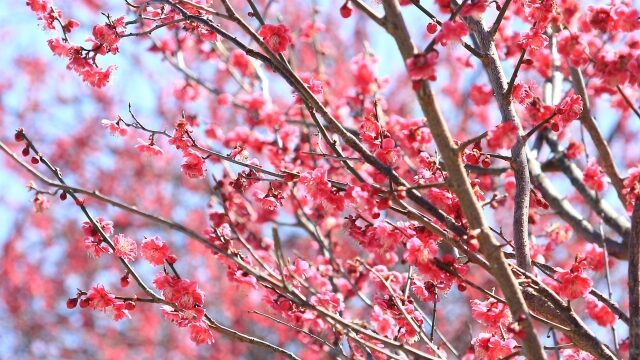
[599, 312]
[200, 333]
[276, 37]
[503, 136]
[594, 177]
[99, 298]
[491, 313]
[451, 32]
[328, 300]
[194, 165]
[149, 148]
[490, 346]
[114, 127]
[423, 66]
[126, 247]
[574, 283]
[154, 250]
[534, 40]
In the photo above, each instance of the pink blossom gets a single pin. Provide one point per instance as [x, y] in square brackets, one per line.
[474, 8]
[451, 32]
[522, 93]
[154, 250]
[239, 60]
[490, 347]
[569, 109]
[491, 313]
[363, 69]
[328, 300]
[120, 311]
[95, 247]
[114, 127]
[149, 148]
[59, 47]
[423, 66]
[418, 253]
[194, 165]
[99, 298]
[299, 268]
[276, 37]
[534, 40]
[388, 154]
[594, 177]
[384, 324]
[574, 283]
[632, 186]
[572, 47]
[89, 230]
[184, 293]
[599, 312]
[503, 136]
[481, 94]
[200, 333]
[126, 248]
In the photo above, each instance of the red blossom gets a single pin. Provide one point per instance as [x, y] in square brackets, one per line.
[569, 109]
[632, 186]
[474, 8]
[574, 283]
[599, 312]
[594, 177]
[572, 47]
[481, 94]
[574, 150]
[534, 40]
[422, 66]
[194, 165]
[490, 313]
[149, 148]
[154, 250]
[503, 136]
[99, 298]
[490, 346]
[200, 333]
[451, 32]
[276, 37]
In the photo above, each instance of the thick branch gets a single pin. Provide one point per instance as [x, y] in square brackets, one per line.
[569, 214]
[492, 66]
[614, 220]
[608, 164]
[461, 186]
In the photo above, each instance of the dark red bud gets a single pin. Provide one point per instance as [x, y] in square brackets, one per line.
[346, 10]
[432, 28]
[125, 281]
[72, 303]
[84, 303]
